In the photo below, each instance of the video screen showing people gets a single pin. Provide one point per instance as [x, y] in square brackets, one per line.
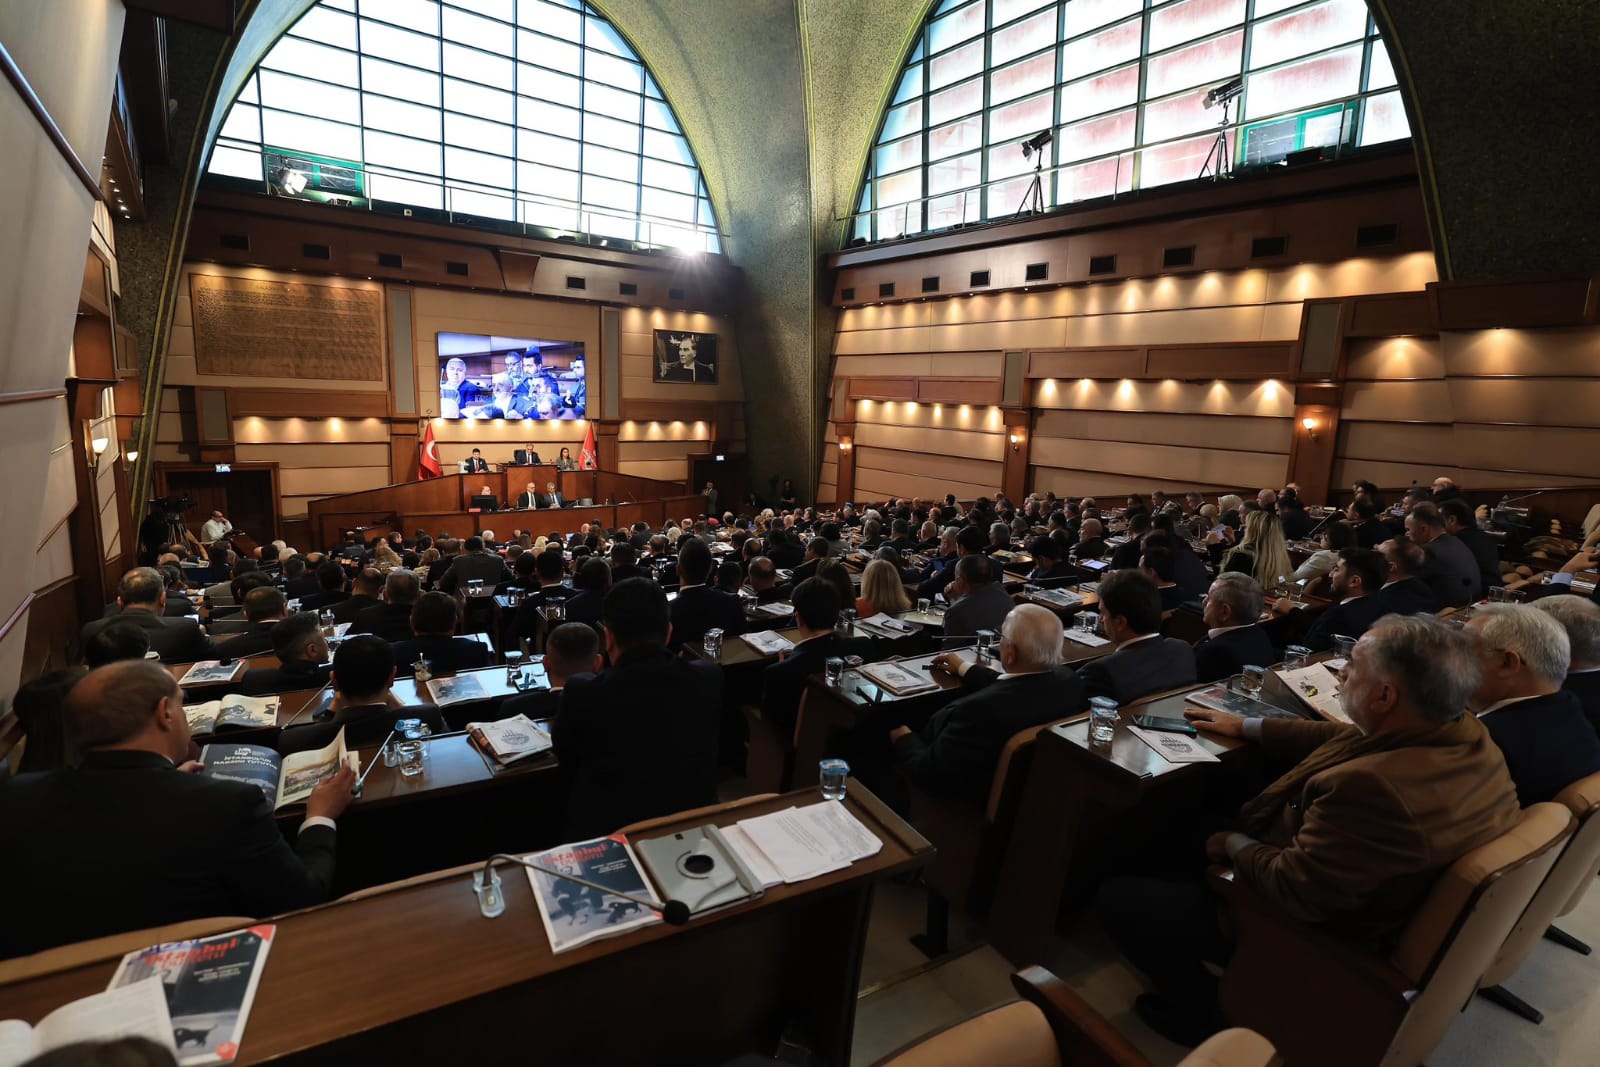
[510, 378]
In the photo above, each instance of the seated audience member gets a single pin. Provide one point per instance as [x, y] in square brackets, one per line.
[40, 707]
[639, 740]
[366, 591]
[1293, 518]
[977, 601]
[115, 643]
[1127, 554]
[900, 538]
[1581, 619]
[1355, 578]
[1351, 839]
[572, 649]
[1235, 639]
[763, 581]
[364, 704]
[476, 563]
[1451, 571]
[954, 756]
[625, 562]
[937, 574]
[590, 583]
[264, 608]
[834, 573]
[1144, 662]
[1403, 591]
[816, 610]
[179, 603]
[302, 653]
[1362, 514]
[331, 588]
[549, 573]
[1188, 569]
[785, 552]
[816, 555]
[390, 620]
[141, 600]
[297, 584]
[1261, 552]
[1159, 565]
[1586, 559]
[833, 538]
[183, 845]
[229, 618]
[1462, 524]
[434, 622]
[1335, 536]
[1049, 564]
[881, 590]
[730, 577]
[1091, 540]
[1523, 655]
[698, 607]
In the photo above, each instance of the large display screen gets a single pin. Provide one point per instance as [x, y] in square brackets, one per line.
[510, 378]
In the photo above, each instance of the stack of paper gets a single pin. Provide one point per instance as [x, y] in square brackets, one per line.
[1085, 637]
[1058, 598]
[768, 642]
[800, 843]
[1318, 687]
[1174, 747]
[885, 625]
[778, 609]
[896, 679]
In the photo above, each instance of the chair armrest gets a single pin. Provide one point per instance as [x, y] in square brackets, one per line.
[1083, 1035]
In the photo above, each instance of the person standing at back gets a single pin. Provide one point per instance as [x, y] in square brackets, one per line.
[639, 739]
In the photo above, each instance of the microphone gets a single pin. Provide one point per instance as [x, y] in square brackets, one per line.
[492, 902]
[355, 790]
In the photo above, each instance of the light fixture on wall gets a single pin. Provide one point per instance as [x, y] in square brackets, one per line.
[1016, 441]
[845, 444]
[1310, 424]
[97, 448]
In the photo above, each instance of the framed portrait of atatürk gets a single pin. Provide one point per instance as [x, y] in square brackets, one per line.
[685, 357]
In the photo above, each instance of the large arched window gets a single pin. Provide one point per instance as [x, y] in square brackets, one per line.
[524, 111]
[1121, 87]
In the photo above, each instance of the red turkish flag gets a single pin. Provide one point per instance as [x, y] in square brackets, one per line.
[428, 456]
[588, 456]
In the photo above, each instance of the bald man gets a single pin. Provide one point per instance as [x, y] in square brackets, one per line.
[135, 837]
[955, 754]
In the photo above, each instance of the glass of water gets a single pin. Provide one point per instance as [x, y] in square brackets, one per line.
[1295, 656]
[985, 648]
[555, 610]
[713, 643]
[1343, 646]
[325, 620]
[834, 668]
[1251, 679]
[1089, 621]
[923, 604]
[410, 757]
[832, 774]
[1102, 720]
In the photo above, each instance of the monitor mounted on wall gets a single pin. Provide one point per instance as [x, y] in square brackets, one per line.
[515, 378]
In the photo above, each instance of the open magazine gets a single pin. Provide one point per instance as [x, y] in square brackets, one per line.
[210, 983]
[575, 915]
[136, 1010]
[231, 711]
[456, 690]
[212, 671]
[284, 780]
[510, 740]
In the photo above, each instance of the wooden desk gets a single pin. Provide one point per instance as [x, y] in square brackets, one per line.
[417, 975]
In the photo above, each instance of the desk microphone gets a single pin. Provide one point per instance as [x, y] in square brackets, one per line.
[492, 902]
[355, 790]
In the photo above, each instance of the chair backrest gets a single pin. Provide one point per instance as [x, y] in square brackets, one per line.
[1456, 933]
[114, 946]
[1016, 1034]
[1010, 773]
[1233, 1048]
[1563, 888]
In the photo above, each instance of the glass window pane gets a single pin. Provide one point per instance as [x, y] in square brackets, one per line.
[1103, 92]
[1006, 10]
[1096, 137]
[1087, 181]
[243, 124]
[666, 205]
[899, 188]
[613, 71]
[468, 132]
[1384, 119]
[236, 162]
[484, 205]
[1177, 115]
[1024, 37]
[1007, 159]
[504, 10]
[898, 155]
[543, 148]
[910, 84]
[1023, 118]
[403, 83]
[598, 34]
[959, 136]
[398, 190]
[479, 100]
[611, 133]
[607, 193]
[310, 60]
[548, 85]
[551, 216]
[327, 26]
[548, 51]
[609, 163]
[402, 46]
[1177, 162]
[906, 118]
[955, 209]
[961, 99]
[397, 116]
[1006, 198]
[248, 94]
[487, 34]
[671, 177]
[477, 66]
[1115, 44]
[1177, 23]
[550, 118]
[1269, 7]
[537, 179]
[953, 66]
[958, 173]
[613, 102]
[1085, 15]
[1019, 79]
[420, 15]
[1213, 60]
[478, 168]
[954, 28]
[303, 133]
[404, 153]
[668, 146]
[288, 93]
[555, 19]
[659, 115]
[1310, 81]
[1380, 73]
[1310, 30]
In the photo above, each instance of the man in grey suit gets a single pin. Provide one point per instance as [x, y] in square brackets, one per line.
[978, 602]
[475, 562]
[1144, 662]
[141, 600]
[1452, 570]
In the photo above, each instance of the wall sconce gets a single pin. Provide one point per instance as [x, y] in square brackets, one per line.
[845, 444]
[1016, 442]
[97, 447]
[1309, 424]
[132, 454]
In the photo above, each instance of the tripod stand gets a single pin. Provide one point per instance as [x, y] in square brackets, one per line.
[1219, 161]
[1033, 199]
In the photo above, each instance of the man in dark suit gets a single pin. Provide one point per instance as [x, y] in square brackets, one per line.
[640, 739]
[331, 589]
[1581, 618]
[816, 610]
[955, 755]
[141, 600]
[1451, 571]
[1363, 516]
[1404, 592]
[1144, 662]
[434, 621]
[553, 497]
[366, 591]
[763, 582]
[1235, 639]
[625, 563]
[364, 704]
[1091, 540]
[184, 845]
[475, 464]
[784, 550]
[391, 620]
[900, 538]
[549, 571]
[572, 649]
[298, 583]
[816, 555]
[302, 653]
[1160, 565]
[477, 562]
[698, 607]
[1462, 524]
[1354, 580]
[264, 608]
[1049, 568]
[529, 498]
[1540, 727]
[977, 601]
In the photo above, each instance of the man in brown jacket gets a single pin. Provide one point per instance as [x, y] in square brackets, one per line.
[1352, 838]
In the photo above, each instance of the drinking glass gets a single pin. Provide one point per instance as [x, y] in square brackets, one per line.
[513, 668]
[834, 669]
[1497, 594]
[1515, 596]
[325, 620]
[1102, 720]
[555, 610]
[410, 758]
[1295, 656]
[832, 774]
[713, 643]
[985, 648]
[1251, 679]
[1343, 646]
[1089, 621]
[923, 604]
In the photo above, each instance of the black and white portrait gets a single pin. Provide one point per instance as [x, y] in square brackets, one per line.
[685, 357]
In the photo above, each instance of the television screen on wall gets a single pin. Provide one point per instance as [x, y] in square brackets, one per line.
[483, 377]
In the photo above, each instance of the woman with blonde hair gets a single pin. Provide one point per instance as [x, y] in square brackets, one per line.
[1261, 552]
[882, 590]
[385, 558]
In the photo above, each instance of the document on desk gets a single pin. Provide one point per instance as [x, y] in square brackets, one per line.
[1174, 748]
[900, 679]
[1318, 687]
[885, 625]
[768, 642]
[1084, 637]
[803, 843]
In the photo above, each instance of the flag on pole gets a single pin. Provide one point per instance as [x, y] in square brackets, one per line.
[428, 456]
[589, 457]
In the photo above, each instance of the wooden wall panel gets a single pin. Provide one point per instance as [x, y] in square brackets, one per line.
[1527, 401]
[1244, 433]
[969, 471]
[254, 430]
[1529, 353]
[315, 455]
[1423, 401]
[1162, 463]
[879, 485]
[1394, 359]
[1230, 361]
[1399, 474]
[1091, 363]
[1358, 276]
[1074, 484]
[1189, 326]
[958, 391]
[1269, 399]
[326, 481]
[938, 442]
